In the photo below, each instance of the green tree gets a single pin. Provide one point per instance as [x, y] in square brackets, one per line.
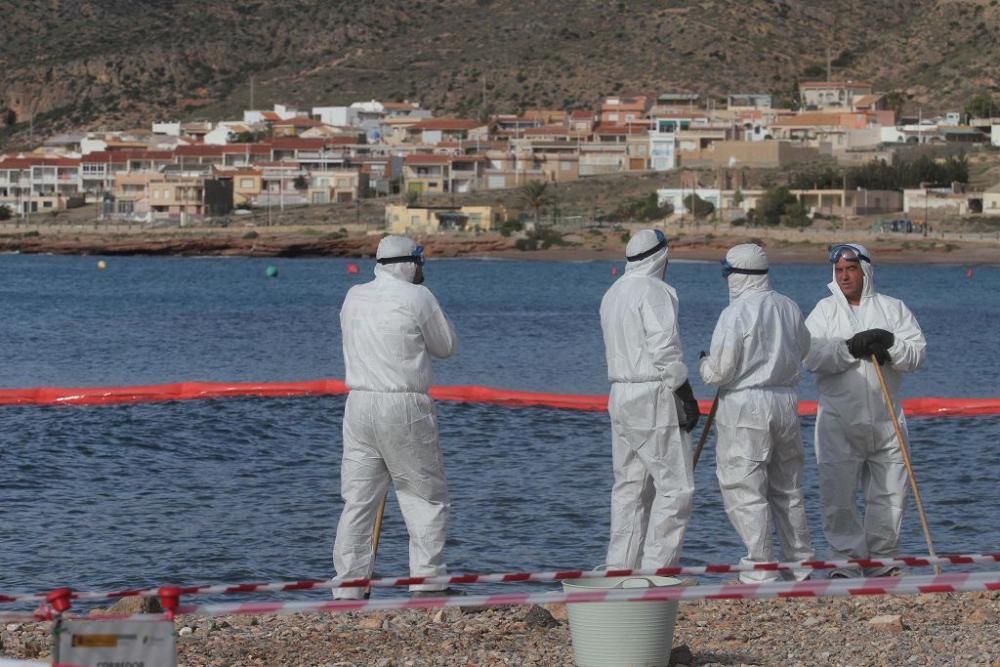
[982, 105]
[698, 207]
[796, 215]
[535, 196]
[895, 100]
[4, 212]
[300, 182]
[772, 205]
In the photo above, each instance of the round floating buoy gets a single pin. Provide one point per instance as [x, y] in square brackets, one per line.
[614, 271]
[271, 272]
[101, 265]
[352, 268]
[968, 273]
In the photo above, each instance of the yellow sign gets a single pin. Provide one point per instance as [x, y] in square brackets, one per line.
[95, 641]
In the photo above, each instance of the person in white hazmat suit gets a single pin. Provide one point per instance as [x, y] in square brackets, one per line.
[392, 326]
[856, 444]
[756, 351]
[652, 410]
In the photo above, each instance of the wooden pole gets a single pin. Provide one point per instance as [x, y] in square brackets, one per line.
[376, 537]
[906, 460]
[704, 433]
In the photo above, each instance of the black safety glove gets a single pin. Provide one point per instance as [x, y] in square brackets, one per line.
[702, 354]
[860, 344]
[885, 339]
[881, 354]
[691, 411]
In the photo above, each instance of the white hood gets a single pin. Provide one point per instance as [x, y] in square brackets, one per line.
[751, 257]
[396, 246]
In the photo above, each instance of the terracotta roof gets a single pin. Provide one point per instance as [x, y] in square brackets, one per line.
[547, 129]
[270, 116]
[198, 150]
[400, 106]
[581, 114]
[104, 157]
[447, 124]
[34, 161]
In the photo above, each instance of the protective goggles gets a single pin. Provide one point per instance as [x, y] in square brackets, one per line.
[848, 253]
[661, 243]
[417, 257]
[728, 270]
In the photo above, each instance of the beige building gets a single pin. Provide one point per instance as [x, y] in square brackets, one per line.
[434, 219]
[765, 154]
[991, 200]
[336, 185]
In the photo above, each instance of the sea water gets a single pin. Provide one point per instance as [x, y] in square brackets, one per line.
[248, 489]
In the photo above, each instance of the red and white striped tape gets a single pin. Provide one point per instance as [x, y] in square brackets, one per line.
[908, 585]
[516, 577]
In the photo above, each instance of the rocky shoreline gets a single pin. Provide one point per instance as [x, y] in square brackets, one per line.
[697, 245]
[941, 629]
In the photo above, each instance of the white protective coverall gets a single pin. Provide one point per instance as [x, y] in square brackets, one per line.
[391, 329]
[757, 347]
[855, 439]
[653, 481]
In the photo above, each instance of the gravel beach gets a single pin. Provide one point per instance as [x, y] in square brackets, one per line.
[949, 629]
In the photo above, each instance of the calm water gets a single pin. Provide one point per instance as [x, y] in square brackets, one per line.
[247, 489]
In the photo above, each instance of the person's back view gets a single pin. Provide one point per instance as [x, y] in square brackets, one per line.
[651, 497]
[757, 347]
[392, 326]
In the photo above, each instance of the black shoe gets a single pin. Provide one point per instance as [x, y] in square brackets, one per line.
[446, 593]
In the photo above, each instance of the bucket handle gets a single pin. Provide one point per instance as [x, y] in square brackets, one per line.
[649, 584]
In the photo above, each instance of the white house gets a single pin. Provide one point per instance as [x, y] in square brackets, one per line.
[662, 150]
[169, 129]
[676, 196]
[221, 134]
[995, 135]
[336, 116]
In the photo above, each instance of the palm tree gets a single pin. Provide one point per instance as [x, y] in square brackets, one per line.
[535, 196]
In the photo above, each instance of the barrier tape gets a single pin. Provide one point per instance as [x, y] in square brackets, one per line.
[908, 585]
[182, 391]
[516, 577]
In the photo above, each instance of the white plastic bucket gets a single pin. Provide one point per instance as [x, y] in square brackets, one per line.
[621, 634]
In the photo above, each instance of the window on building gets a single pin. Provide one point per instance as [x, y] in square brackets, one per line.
[246, 183]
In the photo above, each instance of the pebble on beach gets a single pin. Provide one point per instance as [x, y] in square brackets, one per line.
[951, 629]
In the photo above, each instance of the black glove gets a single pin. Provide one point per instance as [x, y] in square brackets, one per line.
[702, 354]
[691, 411]
[860, 344]
[881, 354]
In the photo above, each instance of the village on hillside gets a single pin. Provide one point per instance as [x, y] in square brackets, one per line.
[185, 173]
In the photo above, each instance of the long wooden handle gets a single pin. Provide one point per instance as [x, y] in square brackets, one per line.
[906, 459]
[704, 433]
[377, 536]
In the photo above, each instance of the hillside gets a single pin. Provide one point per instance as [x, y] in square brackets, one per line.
[75, 63]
